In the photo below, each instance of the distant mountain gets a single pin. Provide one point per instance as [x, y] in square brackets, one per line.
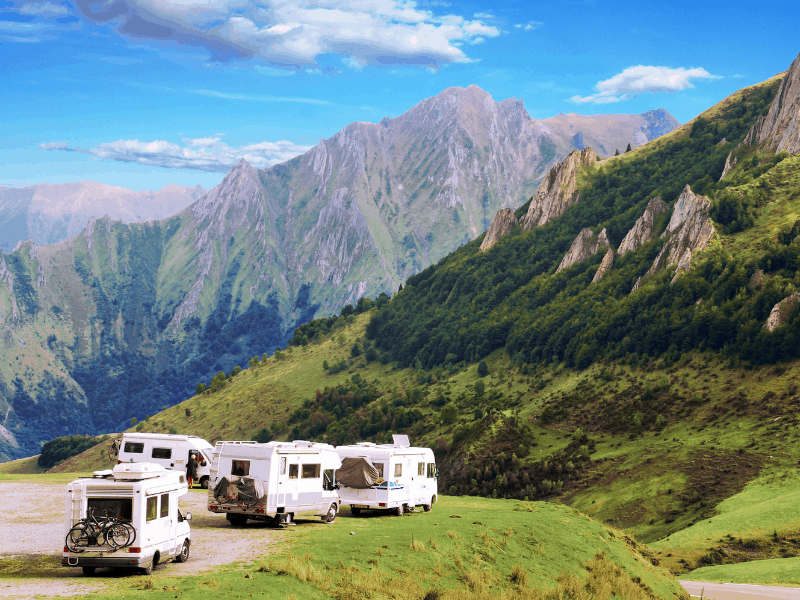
[125, 318]
[50, 213]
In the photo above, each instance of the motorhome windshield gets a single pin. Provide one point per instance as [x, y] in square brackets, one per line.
[111, 507]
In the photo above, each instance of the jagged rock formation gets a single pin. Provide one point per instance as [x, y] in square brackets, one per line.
[502, 224]
[586, 245]
[605, 266]
[558, 191]
[781, 312]
[730, 162]
[642, 230]
[50, 213]
[780, 130]
[757, 279]
[689, 231]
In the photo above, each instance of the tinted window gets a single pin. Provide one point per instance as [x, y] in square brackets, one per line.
[431, 470]
[292, 471]
[310, 471]
[162, 453]
[164, 505]
[112, 507]
[240, 468]
[134, 447]
[152, 508]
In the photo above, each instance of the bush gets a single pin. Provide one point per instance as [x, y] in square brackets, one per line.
[200, 388]
[483, 369]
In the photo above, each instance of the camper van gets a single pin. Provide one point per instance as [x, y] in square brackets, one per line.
[394, 477]
[276, 481]
[143, 494]
[167, 450]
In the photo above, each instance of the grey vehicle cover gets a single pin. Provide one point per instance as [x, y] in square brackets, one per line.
[357, 473]
[239, 490]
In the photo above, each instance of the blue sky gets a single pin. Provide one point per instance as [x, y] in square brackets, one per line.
[143, 93]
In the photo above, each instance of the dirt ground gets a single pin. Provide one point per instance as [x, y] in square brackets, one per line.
[31, 534]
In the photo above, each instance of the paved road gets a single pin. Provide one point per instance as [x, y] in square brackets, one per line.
[739, 591]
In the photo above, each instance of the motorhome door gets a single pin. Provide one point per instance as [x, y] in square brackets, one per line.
[283, 477]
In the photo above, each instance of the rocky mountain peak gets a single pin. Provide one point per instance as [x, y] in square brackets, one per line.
[502, 224]
[780, 313]
[558, 191]
[605, 266]
[642, 230]
[779, 130]
[585, 246]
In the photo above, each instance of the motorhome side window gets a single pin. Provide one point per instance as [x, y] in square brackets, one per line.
[292, 471]
[398, 470]
[112, 507]
[421, 469]
[379, 467]
[431, 470]
[152, 508]
[310, 472]
[164, 505]
[162, 453]
[240, 468]
[134, 447]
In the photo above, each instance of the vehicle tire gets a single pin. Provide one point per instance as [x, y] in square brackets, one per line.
[78, 538]
[118, 536]
[183, 555]
[237, 520]
[355, 511]
[331, 516]
[398, 512]
[148, 570]
[89, 571]
[204, 483]
[428, 507]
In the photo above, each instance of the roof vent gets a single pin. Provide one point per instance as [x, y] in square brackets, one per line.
[138, 471]
[401, 441]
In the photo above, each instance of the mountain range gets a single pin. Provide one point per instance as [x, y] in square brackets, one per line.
[49, 213]
[125, 318]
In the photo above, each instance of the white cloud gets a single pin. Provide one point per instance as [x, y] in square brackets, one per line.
[43, 9]
[641, 79]
[529, 25]
[160, 153]
[256, 97]
[296, 33]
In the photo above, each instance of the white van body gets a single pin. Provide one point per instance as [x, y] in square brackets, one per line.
[168, 450]
[407, 477]
[292, 478]
[146, 494]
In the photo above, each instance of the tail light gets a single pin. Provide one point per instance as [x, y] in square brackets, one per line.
[134, 550]
[66, 549]
[119, 462]
[381, 503]
[212, 507]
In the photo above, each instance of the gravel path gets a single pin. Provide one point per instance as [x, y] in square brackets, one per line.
[31, 531]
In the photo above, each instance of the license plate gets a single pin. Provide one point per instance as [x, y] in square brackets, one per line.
[359, 506]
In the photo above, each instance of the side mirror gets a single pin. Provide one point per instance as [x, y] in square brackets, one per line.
[188, 517]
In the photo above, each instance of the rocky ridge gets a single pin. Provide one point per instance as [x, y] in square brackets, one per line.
[586, 245]
[689, 230]
[605, 266]
[780, 313]
[642, 230]
[558, 191]
[779, 130]
[502, 224]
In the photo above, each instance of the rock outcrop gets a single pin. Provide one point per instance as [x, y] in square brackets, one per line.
[779, 130]
[730, 162]
[781, 312]
[642, 230]
[502, 224]
[558, 191]
[689, 230]
[585, 246]
[605, 266]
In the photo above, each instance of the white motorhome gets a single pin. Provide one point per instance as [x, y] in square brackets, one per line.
[276, 481]
[395, 477]
[168, 450]
[145, 494]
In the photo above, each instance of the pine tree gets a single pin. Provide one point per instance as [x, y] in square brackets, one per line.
[628, 149]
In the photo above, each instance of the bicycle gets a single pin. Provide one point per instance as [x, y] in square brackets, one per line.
[91, 531]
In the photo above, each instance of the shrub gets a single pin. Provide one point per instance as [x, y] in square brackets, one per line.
[200, 388]
[483, 369]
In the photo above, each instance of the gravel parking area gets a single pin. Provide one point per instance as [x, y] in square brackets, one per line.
[31, 531]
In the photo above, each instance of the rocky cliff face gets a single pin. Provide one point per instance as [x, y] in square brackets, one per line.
[605, 266]
[642, 230]
[558, 191]
[586, 245]
[781, 312]
[50, 213]
[689, 230]
[502, 224]
[780, 130]
[730, 162]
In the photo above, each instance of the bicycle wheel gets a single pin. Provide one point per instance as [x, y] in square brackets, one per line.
[131, 532]
[117, 535]
[78, 538]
